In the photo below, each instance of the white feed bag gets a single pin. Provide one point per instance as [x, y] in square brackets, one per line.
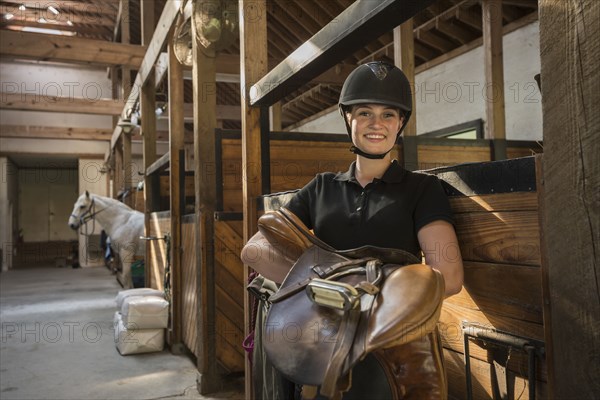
[123, 294]
[136, 341]
[145, 312]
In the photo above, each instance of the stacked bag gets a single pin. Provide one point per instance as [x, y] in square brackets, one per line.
[140, 321]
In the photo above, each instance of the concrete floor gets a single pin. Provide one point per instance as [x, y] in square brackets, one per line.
[57, 343]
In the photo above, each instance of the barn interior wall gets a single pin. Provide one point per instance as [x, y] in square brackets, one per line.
[46, 197]
[8, 214]
[454, 92]
[47, 81]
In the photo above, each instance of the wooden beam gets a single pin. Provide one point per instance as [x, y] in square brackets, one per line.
[205, 120]
[54, 132]
[570, 74]
[254, 65]
[404, 58]
[87, 30]
[176, 195]
[38, 102]
[167, 18]
[494, 76]
[359, 24]
[147, 21]
[223, 111]
[32, 15]
[69, 49]
[125, 39]
[67, 9]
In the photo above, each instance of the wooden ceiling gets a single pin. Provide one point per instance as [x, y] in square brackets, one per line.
[445, 29]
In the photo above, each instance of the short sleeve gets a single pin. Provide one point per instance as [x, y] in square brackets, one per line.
[432, 204]
[302, 203]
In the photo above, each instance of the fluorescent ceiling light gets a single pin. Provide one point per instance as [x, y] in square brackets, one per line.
[53, 10]
[8, 16]
[48, 31]
[42, 20]
[22, 7]
[69, 22]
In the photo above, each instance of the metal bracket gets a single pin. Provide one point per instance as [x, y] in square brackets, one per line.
[530, 346]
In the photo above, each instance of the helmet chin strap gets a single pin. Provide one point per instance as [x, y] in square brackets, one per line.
[361, 153]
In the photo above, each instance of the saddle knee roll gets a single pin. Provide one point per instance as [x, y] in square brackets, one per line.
[416, 370]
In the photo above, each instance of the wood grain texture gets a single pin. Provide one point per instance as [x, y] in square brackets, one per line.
[70, 49]
[189, 287]
[501, 237]
[570, 70]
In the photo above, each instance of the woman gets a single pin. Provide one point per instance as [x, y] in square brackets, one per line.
[376, 202]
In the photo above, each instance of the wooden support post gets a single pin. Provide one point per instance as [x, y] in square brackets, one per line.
[404, 58]
[147, 21]
[570, 66]
[205, 120]
[176, 181]
[126, 39]
[127, 167]
[118, 171]
[494, 76]
[253, 59]
[276, 112]
[147, 106]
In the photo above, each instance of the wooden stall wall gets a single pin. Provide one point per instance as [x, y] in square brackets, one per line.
[229, 295]
[161, 226]
[189, 284]
[297, 158]
[496, 215]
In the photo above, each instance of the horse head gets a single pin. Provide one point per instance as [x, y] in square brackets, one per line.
[82, 209]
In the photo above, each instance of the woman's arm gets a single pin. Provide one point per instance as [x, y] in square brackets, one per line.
[440, 246]
[266, 259]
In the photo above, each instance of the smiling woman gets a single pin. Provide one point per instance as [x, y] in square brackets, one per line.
[380, 204]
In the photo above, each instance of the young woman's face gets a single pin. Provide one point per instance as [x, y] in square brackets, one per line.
[374, 127]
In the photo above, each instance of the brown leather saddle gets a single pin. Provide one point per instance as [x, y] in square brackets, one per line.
[335, 307]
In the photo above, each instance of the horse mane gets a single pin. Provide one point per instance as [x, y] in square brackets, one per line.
[112, 202]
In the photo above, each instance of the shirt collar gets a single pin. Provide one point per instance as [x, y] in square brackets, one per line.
[393, 174]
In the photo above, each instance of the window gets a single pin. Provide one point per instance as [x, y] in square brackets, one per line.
[468, 130]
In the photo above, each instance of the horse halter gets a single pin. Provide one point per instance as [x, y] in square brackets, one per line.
[83, 218]
[86, 216]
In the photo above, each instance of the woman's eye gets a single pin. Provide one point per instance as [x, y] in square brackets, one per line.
[81, 207]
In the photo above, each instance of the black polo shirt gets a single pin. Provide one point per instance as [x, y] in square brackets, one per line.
[388, 212]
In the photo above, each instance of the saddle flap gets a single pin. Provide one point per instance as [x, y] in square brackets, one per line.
[407, 308]
[280, 232]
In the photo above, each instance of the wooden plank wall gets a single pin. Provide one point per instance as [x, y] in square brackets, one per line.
[499, 238]
[189, 283]
[295, 162]
[160, 225]
[229, 295]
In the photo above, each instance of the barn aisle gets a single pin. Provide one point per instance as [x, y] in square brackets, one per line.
[57, 342]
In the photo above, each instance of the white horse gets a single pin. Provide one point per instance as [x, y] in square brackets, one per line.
[122, 224]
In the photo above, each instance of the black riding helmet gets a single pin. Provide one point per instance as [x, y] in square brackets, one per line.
[376, 82]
